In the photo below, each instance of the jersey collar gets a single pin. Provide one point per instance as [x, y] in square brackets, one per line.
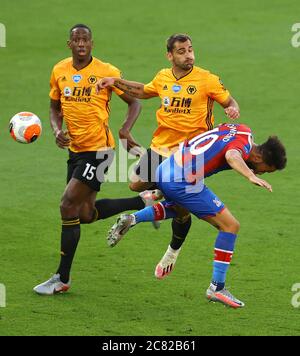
[91, 61]
[183, 75]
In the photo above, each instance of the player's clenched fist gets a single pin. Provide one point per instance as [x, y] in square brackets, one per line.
[232, 112]
[62, 139]
[104, 83]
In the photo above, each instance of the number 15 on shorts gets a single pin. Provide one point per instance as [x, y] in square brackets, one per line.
[89, 171]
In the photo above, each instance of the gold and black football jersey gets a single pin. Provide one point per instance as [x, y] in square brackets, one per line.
[186, 106]
[85, 112]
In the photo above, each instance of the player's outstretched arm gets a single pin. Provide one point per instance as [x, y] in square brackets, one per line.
[56, 121]
[260, 182]
[231, 108]
[236, 162]
[134, 89]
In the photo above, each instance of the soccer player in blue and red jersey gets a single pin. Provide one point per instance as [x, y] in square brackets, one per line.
[181, 179]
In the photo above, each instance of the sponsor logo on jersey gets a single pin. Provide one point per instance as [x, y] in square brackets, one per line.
[178, 105]
[176, 88]
[77, 78]
[80, 94]
[165, 87]
[67, 91]
[166, 101]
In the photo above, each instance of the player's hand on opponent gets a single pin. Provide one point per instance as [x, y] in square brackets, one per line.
[129, 143]
[232, 112]
[62, 139]
[260, 182]
[104, 83]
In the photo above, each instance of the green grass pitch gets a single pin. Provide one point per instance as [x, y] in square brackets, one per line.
[114, 291]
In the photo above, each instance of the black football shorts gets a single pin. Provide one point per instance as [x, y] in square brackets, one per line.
[89, 167]
[147, 166]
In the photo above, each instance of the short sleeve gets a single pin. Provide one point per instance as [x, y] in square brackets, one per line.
[115, 72]
[54, 88]
[152, 87]
[242, 144]
[216, 89]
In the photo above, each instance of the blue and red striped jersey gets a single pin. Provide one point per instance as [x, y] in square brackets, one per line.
[204, 155]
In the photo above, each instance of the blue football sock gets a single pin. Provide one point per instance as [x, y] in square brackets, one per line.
[159, 211]
[224, 247]
[146, 214]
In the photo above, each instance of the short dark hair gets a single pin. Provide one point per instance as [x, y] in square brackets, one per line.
[273, 152]
[181, 37]
[80, 25]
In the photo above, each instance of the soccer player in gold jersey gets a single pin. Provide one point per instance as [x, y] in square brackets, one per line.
[187, 94]
[74, 100]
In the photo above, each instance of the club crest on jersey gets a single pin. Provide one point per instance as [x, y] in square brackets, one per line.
[77, 78]
[191, 89]
[176, 88]
[166, 101]
[67, 91]
[217, 202]
[92, 79]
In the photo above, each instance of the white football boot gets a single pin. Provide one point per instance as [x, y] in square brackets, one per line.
[119, 229]
[223, 296]
[166, 264]
[53, 286]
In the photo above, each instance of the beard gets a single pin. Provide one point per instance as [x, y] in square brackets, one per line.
[185, 66]
[189, 65]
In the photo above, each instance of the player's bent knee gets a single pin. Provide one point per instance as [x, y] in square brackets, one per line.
[228, 225]
[182, 219]
[68, 208]
[87, 214]
[236, 226]
[233, 226]
[86, 219]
